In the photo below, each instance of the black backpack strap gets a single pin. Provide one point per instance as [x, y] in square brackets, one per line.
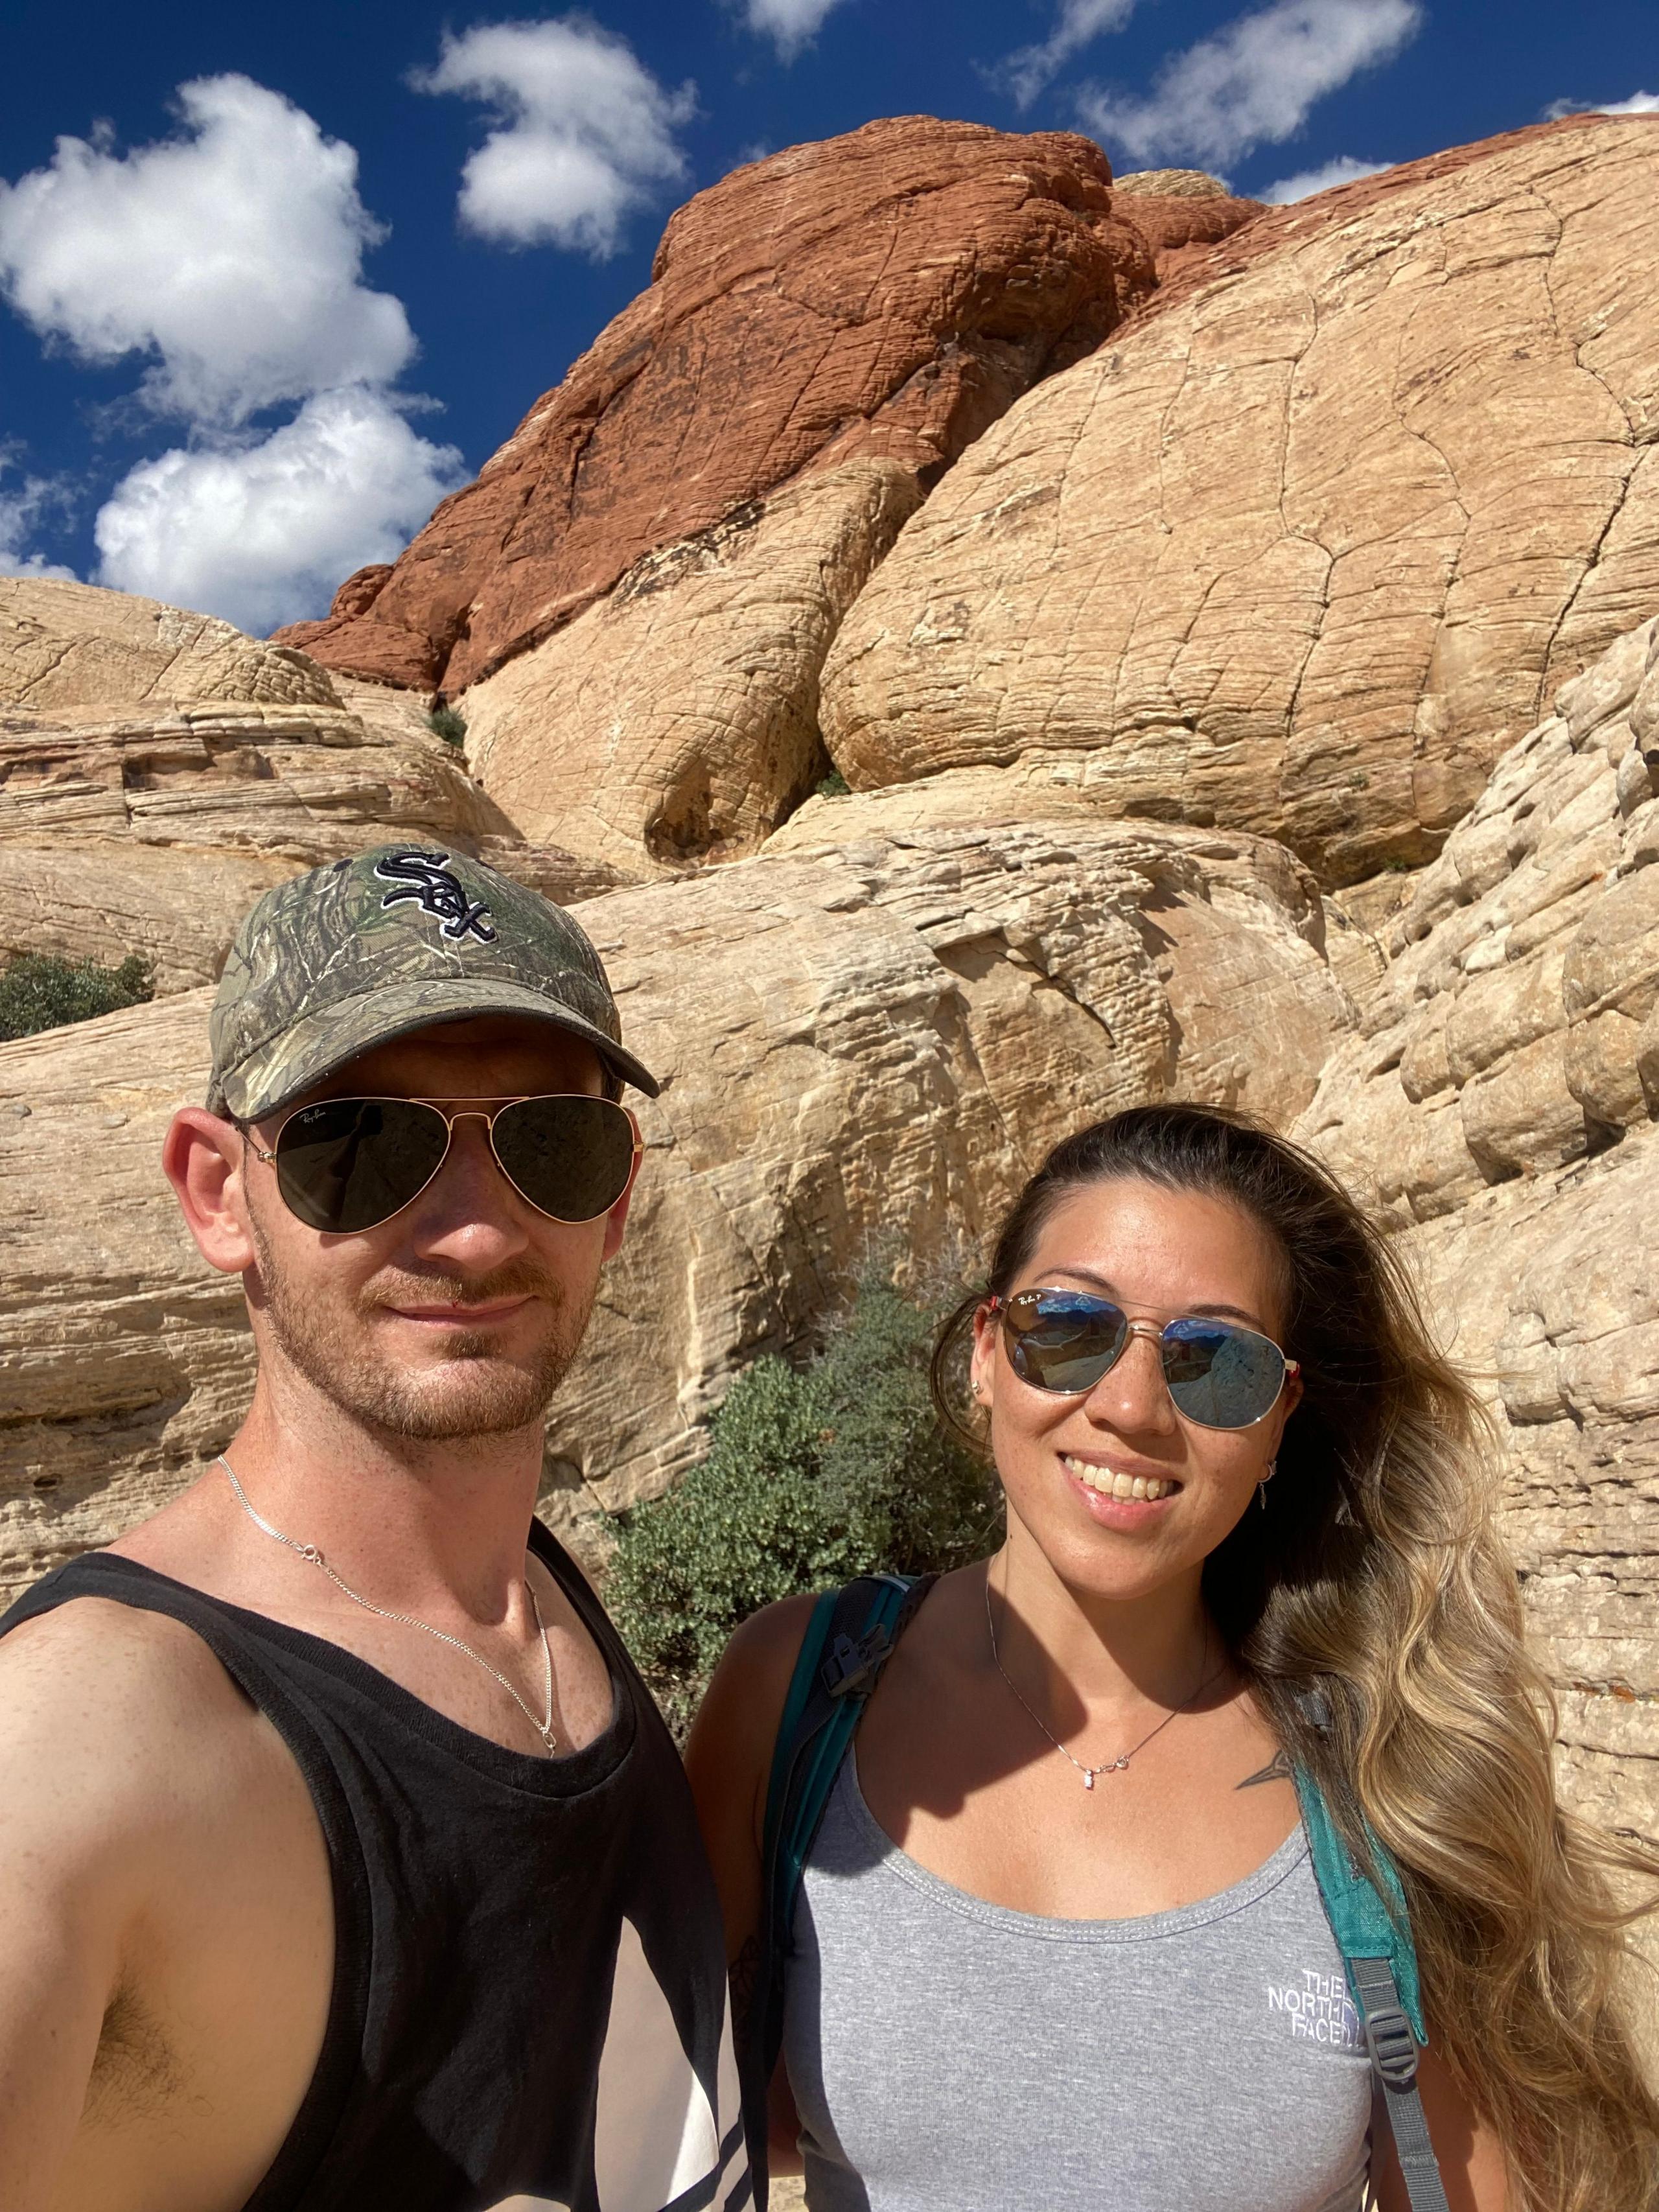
[849, 1639]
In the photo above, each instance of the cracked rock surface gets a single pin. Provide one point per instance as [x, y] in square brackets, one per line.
[1496, 1104]
[957, 997]
[881, 294]
[1516, 1028]
[1549, 1288]
[1307, 544]
[675, 720]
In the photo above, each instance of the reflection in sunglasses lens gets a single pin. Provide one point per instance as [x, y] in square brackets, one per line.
[1220, 1377]
[1219, 1374]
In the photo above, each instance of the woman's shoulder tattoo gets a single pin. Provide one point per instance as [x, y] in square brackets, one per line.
[1278, 1768]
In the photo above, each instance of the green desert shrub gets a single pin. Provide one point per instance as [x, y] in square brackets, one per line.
[444, 722]
[814, 1474]
[834, 786]
[38, 991]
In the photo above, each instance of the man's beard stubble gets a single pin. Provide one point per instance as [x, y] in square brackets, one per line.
[489, 1397]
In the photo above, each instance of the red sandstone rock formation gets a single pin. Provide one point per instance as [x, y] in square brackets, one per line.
[885, 294]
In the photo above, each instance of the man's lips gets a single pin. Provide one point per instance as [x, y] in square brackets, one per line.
[450, 1315]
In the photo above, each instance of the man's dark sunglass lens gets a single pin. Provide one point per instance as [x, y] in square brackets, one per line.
[570, 1156]
[347, 1164]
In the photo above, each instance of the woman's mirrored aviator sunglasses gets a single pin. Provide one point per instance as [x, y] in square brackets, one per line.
[1220, 1375]
[346, 1165]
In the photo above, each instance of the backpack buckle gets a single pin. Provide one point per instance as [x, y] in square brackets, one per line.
[852, 1666]
[1393, 2047]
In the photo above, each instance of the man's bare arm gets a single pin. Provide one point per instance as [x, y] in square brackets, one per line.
[72, 1805]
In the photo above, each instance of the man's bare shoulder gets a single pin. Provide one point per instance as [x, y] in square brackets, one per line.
[107, 1708]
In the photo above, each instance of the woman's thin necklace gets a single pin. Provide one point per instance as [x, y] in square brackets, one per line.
[543, 1727]
[1107, 1766]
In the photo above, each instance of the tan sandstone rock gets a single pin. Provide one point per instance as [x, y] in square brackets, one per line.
[1491, 1105]
[1548, 1289]
[866, 1046]
[1517, 1030]
[73, 646]
[1304, 546]
[159, 770]
[677, 719]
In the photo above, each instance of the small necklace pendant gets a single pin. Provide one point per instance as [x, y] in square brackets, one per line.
[1088, 1778]
[550, 1740]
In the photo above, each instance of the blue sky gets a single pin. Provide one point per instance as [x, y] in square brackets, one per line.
[276, 278]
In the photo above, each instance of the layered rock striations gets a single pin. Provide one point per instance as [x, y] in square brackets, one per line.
[159, 770]
[1496, 1104]
[1516, 1031]
[1303, 549]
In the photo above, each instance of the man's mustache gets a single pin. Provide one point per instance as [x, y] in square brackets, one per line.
[404, 1287]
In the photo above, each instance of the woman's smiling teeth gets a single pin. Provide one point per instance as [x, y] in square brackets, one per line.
[1117, 1485]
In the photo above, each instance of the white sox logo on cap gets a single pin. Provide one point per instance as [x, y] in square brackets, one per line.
[427, 877]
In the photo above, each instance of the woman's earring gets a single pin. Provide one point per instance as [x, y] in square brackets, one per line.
[1261, 1486]
[979, 1388]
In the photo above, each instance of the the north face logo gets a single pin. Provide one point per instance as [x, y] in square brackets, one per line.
[1321, 2010]
[426, 877]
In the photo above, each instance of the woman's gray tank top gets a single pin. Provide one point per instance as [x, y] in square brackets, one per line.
[951, 2055]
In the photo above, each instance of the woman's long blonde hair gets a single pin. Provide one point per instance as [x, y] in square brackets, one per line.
[1375, 1611]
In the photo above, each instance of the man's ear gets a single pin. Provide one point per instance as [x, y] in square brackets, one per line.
[202, 1157]
[616, 1224]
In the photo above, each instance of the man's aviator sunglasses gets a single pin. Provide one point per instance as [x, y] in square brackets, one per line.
[1220, 1375]
[346, 1165]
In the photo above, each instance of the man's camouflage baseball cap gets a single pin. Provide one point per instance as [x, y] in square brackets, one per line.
[350, 955]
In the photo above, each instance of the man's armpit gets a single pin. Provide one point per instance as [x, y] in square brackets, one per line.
[136, 2071]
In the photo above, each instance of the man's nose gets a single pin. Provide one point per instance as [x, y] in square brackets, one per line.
[470, 1213]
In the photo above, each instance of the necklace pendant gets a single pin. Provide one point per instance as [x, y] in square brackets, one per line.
[1088, 1778]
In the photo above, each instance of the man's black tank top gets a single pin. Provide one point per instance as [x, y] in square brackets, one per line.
[529, 2010]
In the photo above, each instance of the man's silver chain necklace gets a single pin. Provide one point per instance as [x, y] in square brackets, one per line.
[309, 1552]
[1107, 1766]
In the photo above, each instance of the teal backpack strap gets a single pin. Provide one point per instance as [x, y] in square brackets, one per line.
[849, 1638]
[1373, 1930]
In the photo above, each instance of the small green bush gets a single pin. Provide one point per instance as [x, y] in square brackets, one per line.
[38, 991]
[835, 786]
[444, 722]
[813, 1475]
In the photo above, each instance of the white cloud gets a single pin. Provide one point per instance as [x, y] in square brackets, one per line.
[585, 134]
[1306, 182]
[1255, 79]
[262, 533]
[231, 252]
[790, 24]
[20, 512]
[230, 255]
[1032, 68]
[1639, 103]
